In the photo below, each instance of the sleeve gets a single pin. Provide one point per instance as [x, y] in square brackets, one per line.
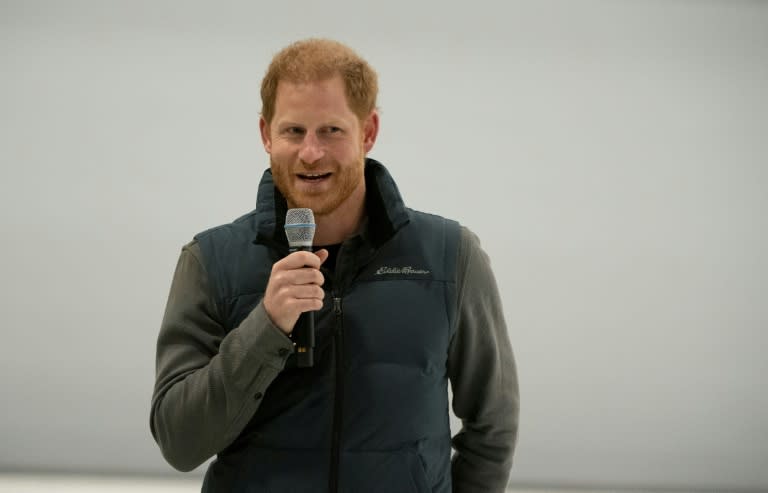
[208, 382]
[483, 377]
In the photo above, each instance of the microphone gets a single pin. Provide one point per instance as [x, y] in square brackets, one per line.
[300, 230]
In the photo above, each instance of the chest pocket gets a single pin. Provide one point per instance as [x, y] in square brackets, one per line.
[397, 322]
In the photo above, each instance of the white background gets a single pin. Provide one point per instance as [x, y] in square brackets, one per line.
[611, 155]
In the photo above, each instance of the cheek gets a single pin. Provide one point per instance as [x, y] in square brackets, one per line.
[281, 151]
[349, 150]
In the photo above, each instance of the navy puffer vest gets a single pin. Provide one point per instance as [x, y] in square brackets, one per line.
[372, 414]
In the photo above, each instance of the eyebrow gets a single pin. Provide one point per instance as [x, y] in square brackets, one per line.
[328, 123]
[288, 124]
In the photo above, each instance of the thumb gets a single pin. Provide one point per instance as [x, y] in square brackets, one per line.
[322, 254]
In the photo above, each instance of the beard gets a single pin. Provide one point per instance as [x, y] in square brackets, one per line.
[344, 180]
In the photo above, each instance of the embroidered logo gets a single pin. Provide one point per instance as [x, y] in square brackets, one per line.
[400, 270]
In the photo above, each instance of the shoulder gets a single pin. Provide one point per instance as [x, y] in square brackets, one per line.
[474, 272]
[215, 248]
[245, 224]
[468, 241]
[423, 219]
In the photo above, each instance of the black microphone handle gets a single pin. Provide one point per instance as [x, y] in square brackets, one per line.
[304, 331]
[304, 337]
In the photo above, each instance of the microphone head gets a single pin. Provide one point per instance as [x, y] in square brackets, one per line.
[300, 227]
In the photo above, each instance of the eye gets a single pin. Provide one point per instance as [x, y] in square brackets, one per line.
[332, 130]
[293, 131]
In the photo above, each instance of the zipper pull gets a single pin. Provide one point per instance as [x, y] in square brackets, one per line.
[337, 305]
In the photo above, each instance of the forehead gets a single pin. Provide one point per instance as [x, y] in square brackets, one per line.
[313, 98]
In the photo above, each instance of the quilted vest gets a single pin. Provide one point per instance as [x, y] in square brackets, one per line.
[371, 416]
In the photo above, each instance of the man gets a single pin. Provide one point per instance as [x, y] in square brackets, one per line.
[403, 302]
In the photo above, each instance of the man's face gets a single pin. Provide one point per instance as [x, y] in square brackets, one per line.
[317, 145]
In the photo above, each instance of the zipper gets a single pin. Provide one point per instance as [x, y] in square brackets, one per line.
[339, 395]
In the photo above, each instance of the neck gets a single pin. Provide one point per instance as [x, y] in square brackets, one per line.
[343, 222]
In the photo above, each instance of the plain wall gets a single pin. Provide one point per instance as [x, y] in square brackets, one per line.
[611, 155]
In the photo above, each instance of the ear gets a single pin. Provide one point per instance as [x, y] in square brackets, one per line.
[370, 130]
[265, 138]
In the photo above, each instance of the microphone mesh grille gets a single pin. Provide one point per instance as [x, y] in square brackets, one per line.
[300, 227]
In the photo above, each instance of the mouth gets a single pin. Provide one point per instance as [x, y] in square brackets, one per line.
[313, 177]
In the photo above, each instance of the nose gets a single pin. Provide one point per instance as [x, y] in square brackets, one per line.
[311, 149]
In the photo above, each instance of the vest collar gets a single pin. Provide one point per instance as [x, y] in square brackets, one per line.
[385, 209]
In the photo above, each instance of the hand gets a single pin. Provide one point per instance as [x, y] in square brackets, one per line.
[294, 287]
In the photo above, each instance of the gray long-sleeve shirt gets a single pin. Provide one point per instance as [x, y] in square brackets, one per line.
[209, 382]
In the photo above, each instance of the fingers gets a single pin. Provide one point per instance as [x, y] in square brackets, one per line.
[288, 297]
[294, 287]
[303, 275]
[302, 259]
[301, 292]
